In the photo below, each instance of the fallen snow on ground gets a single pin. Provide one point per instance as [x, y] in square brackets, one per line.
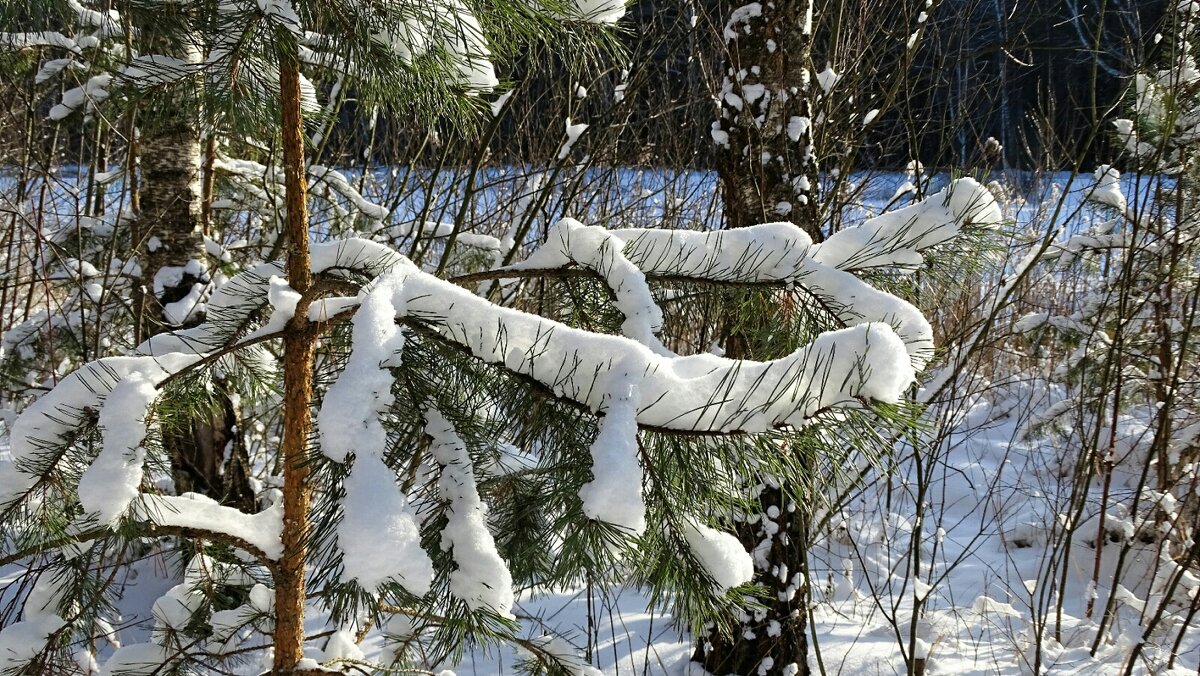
[989, 506]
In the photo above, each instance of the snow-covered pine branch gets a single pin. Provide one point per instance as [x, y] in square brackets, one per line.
[631, 386]
[699, 393]
[773, 253]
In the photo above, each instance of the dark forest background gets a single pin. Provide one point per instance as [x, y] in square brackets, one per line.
[1032, 74]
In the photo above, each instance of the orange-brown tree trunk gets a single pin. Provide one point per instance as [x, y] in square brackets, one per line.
[298, 355]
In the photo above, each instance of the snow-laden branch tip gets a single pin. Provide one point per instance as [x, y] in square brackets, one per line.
[614, 495]
[721, 554]
[595, 11]
[1107, 189]
[897, 238]
[379, 535]
[481, 577]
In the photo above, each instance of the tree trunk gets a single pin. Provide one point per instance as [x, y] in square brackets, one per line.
[768, 173]
[206, 457]
[1005, 97]
[298, 356]
[772, 639]
[766, 164]
[168, 234]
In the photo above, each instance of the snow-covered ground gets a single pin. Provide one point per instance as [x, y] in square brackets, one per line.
[986, 558]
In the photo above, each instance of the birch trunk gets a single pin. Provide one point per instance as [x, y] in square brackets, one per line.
[169, 235]
[207, 456]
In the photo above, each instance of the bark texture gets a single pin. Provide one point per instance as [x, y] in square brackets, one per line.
[765, 162]
[298, 355]
[207, 455]
[772, 639]
[768, 173]
[169, 237]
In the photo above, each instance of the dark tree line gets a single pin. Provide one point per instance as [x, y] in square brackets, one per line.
[1034, 75]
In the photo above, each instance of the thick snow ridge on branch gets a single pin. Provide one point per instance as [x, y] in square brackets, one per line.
[481, 578]
[776, 253]
[768, 253]
[198, 512]
[863, 362]
[112, 482]
[701, 393]
[60, 413]
[897, 238]
[601, 251]
[765, 253]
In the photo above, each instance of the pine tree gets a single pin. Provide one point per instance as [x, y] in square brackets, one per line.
[463, 448]
[427, 382]
[439, 55]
